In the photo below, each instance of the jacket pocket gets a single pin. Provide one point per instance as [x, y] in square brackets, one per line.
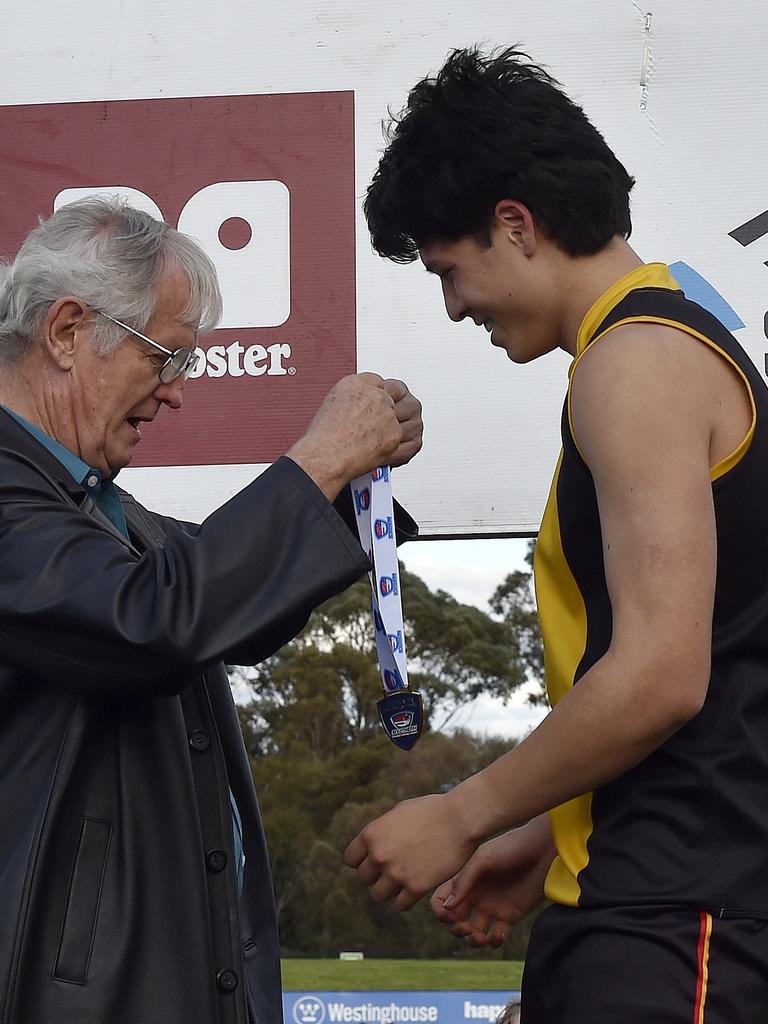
[83, 899]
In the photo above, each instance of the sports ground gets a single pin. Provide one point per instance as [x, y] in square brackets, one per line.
[400, 975]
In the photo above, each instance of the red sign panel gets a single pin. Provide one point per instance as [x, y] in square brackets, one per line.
[266, 184]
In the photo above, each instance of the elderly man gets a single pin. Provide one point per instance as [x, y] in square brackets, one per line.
[134, 881]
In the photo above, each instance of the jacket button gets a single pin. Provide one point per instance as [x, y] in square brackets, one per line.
[227, 981]
[199, 740]
[215, 860]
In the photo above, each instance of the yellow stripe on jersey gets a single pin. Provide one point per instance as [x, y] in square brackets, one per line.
[650, 275]
[562, 614]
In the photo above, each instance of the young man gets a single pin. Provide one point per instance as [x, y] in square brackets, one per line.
[639, 807]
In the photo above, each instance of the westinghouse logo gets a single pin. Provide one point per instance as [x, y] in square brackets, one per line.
[309, 1010]
[266, 185]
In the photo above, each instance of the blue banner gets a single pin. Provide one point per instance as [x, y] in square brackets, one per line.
[394, 1007]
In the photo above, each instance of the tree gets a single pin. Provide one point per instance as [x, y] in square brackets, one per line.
[513, 601]
[322, 688]
[328, 909]
[323, 766]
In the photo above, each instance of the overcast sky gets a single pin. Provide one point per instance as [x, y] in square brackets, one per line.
[470, 570]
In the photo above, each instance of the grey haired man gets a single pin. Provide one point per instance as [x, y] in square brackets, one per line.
[134, 880]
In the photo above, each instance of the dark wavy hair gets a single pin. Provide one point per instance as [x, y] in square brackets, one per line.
[486, 128]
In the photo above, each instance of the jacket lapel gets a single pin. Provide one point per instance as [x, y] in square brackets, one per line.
[20, 444]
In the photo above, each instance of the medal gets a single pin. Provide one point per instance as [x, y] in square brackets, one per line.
[402, 715]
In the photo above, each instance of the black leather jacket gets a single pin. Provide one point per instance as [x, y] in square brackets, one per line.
[119, 742]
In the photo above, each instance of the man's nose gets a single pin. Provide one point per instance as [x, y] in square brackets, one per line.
[171, 394]
[454, 307]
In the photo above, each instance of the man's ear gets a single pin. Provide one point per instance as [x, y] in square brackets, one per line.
[66, 324]
[516, 221]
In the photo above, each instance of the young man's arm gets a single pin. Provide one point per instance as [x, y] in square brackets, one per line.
[642, 416]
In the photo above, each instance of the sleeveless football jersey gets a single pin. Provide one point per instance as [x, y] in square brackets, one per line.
[689, 824]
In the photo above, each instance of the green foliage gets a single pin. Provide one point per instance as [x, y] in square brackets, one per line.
[513, 601]
[323, 767]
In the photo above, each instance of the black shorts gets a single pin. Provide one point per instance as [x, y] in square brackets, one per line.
[645, 965]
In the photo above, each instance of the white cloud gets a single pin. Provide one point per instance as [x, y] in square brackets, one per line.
[469, 570]
[490, 717]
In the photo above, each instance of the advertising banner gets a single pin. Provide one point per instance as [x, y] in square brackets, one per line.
[277, 219]
[394, 1007]
[257, 129]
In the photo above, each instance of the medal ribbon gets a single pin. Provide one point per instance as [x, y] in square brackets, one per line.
[375, 516]
[401, 711]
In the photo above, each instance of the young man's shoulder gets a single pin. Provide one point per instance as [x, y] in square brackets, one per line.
[655, 378]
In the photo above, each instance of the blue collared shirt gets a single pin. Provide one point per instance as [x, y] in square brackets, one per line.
[101, 489]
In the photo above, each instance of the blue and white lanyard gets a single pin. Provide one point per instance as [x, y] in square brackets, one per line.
[372, 494]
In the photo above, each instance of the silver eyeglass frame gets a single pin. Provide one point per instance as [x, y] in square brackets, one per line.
[188, 358]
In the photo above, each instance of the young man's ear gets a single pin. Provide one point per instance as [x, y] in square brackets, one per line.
[66, 322]
[517, 223]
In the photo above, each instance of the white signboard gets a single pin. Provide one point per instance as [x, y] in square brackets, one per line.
[263, 119]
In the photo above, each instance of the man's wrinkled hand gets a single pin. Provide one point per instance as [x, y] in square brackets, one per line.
[356, 429]
[408, 412]
[404, 854]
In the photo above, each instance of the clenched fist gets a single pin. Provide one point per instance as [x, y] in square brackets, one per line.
[417, 845]
[408, 411]
[363, 422]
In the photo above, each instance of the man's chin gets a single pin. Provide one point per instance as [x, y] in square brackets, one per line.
[119, 460]
[514, 354]
[520, 358]
[498, 341]
[520, 354]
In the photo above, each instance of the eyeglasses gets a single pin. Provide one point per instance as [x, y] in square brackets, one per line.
[181, 361]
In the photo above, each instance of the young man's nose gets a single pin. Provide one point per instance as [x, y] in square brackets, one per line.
[454, 306]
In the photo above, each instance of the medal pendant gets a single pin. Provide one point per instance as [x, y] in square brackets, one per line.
[402, 715]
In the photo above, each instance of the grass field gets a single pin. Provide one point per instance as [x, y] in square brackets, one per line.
[401, 975]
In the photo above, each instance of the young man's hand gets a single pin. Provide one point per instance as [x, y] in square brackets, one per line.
[408, 851]
[499, 885]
